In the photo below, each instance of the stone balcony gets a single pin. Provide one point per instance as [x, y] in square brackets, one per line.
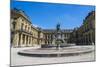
[24, 31]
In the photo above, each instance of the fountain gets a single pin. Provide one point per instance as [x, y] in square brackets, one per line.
[58, 39]
[58, 51]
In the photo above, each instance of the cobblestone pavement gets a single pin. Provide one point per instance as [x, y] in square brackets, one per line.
[17, 60]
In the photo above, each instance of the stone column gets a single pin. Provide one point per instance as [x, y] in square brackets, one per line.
[25, 41]
[15, 40]
[21, 39]
[87, 39]
[28, 41]
[31, 41]
[91, 38]
[84, 40]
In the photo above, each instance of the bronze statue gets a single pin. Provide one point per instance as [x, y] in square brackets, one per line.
[58, 27]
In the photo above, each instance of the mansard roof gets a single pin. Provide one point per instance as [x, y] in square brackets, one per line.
[90, 14]
[15, 13]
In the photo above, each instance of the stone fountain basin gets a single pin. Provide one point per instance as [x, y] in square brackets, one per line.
[52, 52]
[52, 45]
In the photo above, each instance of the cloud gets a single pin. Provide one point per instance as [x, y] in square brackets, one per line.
[35, 25]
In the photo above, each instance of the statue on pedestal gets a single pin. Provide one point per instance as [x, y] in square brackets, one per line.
[58, 27]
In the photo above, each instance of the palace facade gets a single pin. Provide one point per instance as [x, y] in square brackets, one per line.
[49, 35]
[85, 34]
[24, 33]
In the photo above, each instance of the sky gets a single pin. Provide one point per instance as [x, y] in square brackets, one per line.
[48, 15]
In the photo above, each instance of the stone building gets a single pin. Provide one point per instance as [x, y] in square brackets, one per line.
[49, 35]
[85, 34]
[24, 33]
